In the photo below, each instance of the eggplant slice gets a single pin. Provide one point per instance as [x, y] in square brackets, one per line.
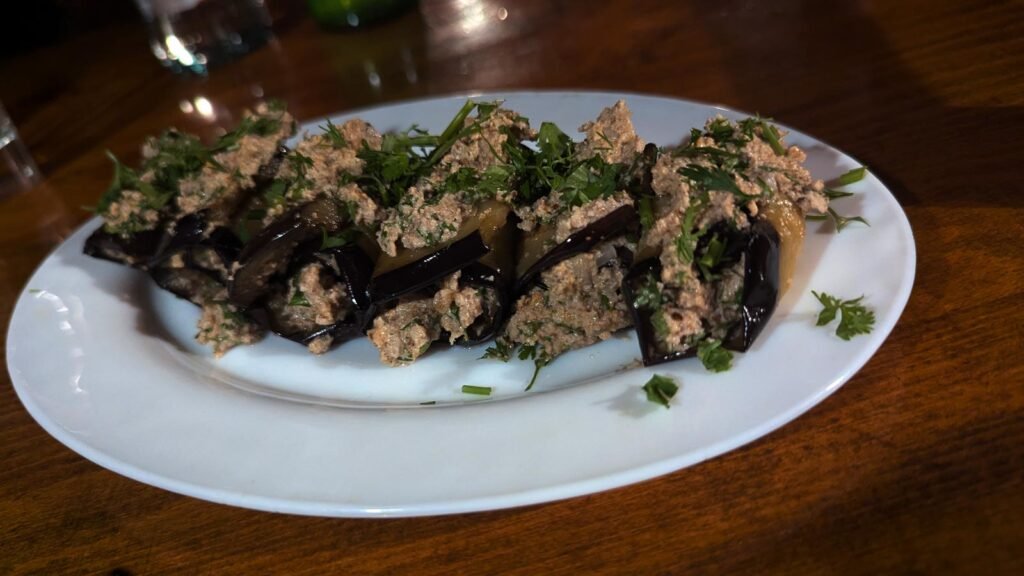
[271, 251]
[760, 285]
[760, 251]
[618, 222]
[650, 350]
[348, 265]
[135, 250]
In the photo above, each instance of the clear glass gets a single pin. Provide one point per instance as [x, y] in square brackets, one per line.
[192, 35]
[18, 171]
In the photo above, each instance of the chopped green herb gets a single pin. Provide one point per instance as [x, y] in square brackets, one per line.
[478, 390]
[850, 177]
[334, 136]
[501, 350]
[35, 291]
[428, 403]
[646, 212]
[648, 294]
[713, 356]
[771, 136]
[855, 317]
[660, 389]
[344, 237]
[299, 299]
[836, 194]
[839, 221]
[540, 360]
[712, 256]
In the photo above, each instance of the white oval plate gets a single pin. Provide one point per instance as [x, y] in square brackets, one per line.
[105, 362]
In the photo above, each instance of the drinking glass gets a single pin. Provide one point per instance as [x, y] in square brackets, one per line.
[192, 35]
[17, 169]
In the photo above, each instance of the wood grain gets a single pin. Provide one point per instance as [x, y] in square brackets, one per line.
[915, 467]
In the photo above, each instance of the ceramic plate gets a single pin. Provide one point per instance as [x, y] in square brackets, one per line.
[106, 363]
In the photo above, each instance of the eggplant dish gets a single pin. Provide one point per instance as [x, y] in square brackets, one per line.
[491, 230]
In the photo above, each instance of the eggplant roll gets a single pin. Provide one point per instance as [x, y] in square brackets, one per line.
[449, 242]
[578, 239]
[724, 224]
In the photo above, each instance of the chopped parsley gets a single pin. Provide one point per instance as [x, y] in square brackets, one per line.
[299, 299]
[713, 356]
[501, 350]
[661, 389]
[855, 318]
[344, 237]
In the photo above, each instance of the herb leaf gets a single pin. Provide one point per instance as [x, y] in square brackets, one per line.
[850, 177]
[501, 350]
[840, 221]
[343, 238]
[713, 356]
[334, 136]
[660, 389]
[856, 318]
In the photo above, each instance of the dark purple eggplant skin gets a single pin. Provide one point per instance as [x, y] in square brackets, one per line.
[192, 284]
[429, 269]
[649, 351]
[618, 222]
[487, 326]
[135, 250]
[760, 247]
[270, 252]
[760, 286]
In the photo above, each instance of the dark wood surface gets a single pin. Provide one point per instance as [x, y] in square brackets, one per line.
[916, 466]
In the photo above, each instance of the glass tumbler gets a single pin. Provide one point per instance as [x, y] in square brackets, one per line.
[192, 35]
[17, 169]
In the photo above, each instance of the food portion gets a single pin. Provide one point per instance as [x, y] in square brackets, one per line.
[491, 229]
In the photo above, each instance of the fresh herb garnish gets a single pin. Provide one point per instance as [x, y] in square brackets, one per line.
[712, 256]
[478, 390]
[648, 294]
[713, 356]
[771, 136]
[344, 237]
[849, 177]
[334, 136]
[299, 299]
[839, 221]
[646, 211]
[660, 389]
[855, 317]
[836, 194]
[539, 357]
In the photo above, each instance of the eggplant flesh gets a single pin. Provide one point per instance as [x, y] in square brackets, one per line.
[618, 222]
[134, 250]
[760, 286]
[759, 248]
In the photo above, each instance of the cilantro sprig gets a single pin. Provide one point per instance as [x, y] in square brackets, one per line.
[854, 317]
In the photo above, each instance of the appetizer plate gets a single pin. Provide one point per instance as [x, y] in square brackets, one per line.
[106, 363]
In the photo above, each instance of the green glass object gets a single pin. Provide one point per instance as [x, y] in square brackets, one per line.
[340, 14]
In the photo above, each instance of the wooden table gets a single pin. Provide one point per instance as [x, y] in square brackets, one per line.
[915, 466]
